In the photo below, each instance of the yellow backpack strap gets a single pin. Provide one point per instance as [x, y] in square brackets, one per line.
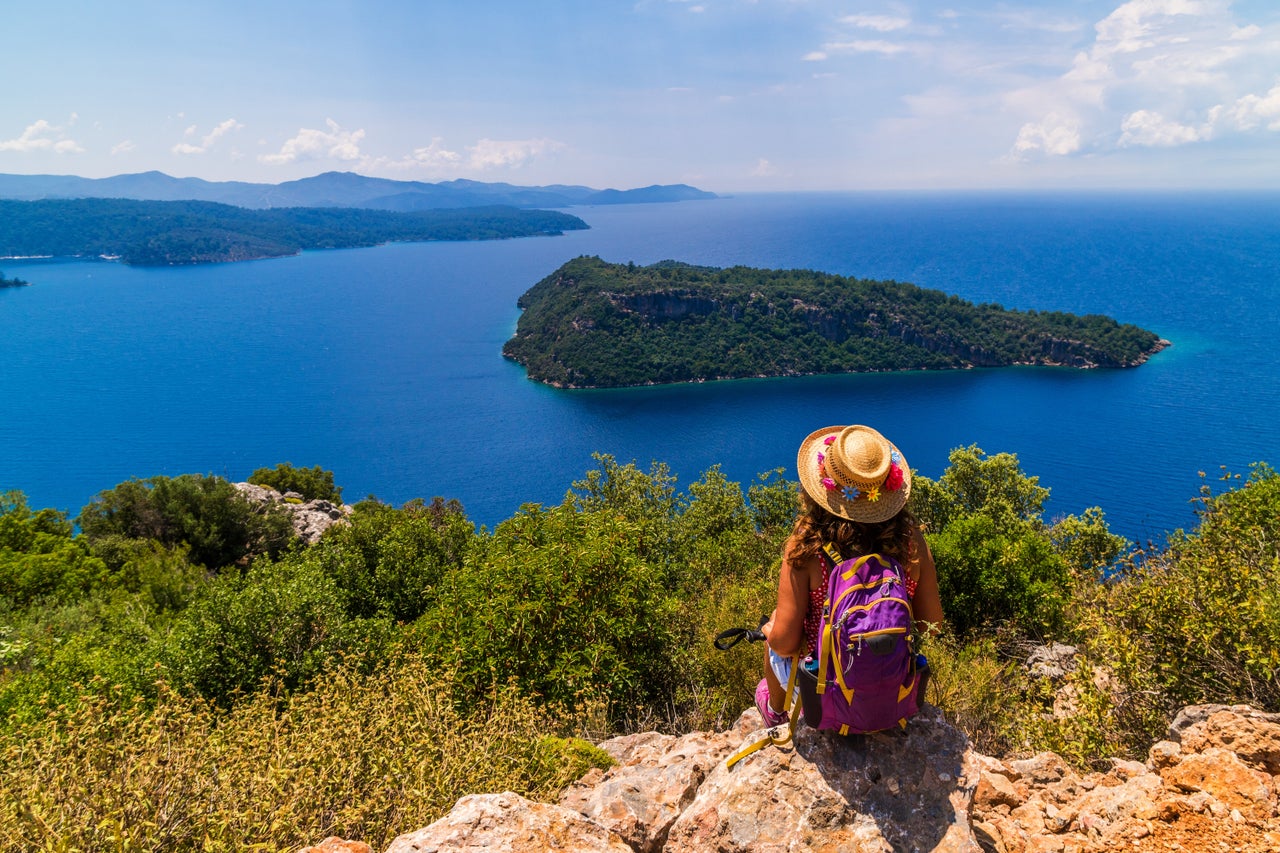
[769, 737]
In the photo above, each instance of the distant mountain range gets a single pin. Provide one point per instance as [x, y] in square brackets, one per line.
[334, 189]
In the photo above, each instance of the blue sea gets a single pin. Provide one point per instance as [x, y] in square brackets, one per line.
[384, 364]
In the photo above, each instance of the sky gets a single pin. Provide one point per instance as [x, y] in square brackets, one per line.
[728, 95]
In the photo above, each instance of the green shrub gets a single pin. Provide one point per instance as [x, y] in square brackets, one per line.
[284, 621]
[314, 483]
[1203, 617]
[561, 603]
[987, 578]
[220, 525]
[389, 562]
[39, 558]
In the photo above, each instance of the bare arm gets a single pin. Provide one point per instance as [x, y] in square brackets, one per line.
[927, 604]
[785, 631]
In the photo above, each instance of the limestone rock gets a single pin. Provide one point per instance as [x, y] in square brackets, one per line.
[1053, 661]
[656, 777]
[310, 519]
[1253, 735]
[899, 791]
[334, 844]
[490, 822]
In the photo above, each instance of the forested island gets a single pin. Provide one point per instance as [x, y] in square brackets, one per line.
[12, 282]
[157, 233]
[592, 324]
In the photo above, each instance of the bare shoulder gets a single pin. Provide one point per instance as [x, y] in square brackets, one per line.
[921, 561]
[802, 566]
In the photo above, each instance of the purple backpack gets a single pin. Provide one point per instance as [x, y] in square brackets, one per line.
[863, 675]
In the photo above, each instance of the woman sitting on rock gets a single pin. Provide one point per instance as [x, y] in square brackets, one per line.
[854, 490]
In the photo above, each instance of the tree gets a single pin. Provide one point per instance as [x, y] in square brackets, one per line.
[314, 483]
[207, 513]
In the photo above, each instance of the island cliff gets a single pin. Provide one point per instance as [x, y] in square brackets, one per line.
[593, 324]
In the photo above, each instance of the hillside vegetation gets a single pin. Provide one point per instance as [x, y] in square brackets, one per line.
[193, 232]
[592, 324]
[182, 675]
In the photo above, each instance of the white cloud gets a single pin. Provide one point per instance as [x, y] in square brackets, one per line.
[495, 154]
[313, 144]
[815, 56]
[763, 169]
[484, 155]
[1250, 111]
[1151, 60]
[123, 147]
[1140, 24]
[1055, 134]
[434, 156]
[1150, 129]
[208, 140]
[880, 23]
[42, 136]
[887, 48]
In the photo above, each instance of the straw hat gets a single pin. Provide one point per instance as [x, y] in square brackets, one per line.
[854, 472]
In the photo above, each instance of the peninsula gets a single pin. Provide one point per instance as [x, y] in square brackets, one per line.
[158, 233]
[592, 324]
[12, 282]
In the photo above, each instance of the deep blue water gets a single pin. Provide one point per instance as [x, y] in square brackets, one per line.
[385, 364]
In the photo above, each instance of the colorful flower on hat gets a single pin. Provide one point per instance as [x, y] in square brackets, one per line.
[829, 484]
[851, 493]
[829, 440]
[873, 494]
[893, 481]
[895, 457]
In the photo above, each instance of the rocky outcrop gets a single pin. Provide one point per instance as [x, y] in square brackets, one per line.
[905, 790]
[310, 518]
[492, 822]
[1211, 787]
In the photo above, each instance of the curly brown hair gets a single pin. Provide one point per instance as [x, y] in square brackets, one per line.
[815, 527]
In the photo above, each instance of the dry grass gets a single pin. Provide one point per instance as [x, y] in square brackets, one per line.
[365, 758]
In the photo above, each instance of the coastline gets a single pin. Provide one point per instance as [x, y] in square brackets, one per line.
[1159, 346]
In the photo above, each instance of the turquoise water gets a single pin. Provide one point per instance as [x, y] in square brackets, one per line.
[385, 364]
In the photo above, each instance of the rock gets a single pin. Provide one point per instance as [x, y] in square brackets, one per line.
[656, 777]
[904, 791]
[1165, 753]
[334, 844]
[1252, 735]
[1224, 777]
[310, 519]
[995, 789]
[490, 822]
[922, 789]
[1053, 661]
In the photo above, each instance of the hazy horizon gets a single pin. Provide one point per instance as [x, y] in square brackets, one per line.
[727, 95]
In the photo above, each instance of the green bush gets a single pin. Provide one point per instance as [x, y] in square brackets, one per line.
[390, 562]
[220, 525]
[314, 483]
[561, 603]
[39, 558]
[988, 577]
[1202, 618]
[284, 621]
[997, 563]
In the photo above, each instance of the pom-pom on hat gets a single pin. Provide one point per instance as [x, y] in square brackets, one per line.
[854, 472]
